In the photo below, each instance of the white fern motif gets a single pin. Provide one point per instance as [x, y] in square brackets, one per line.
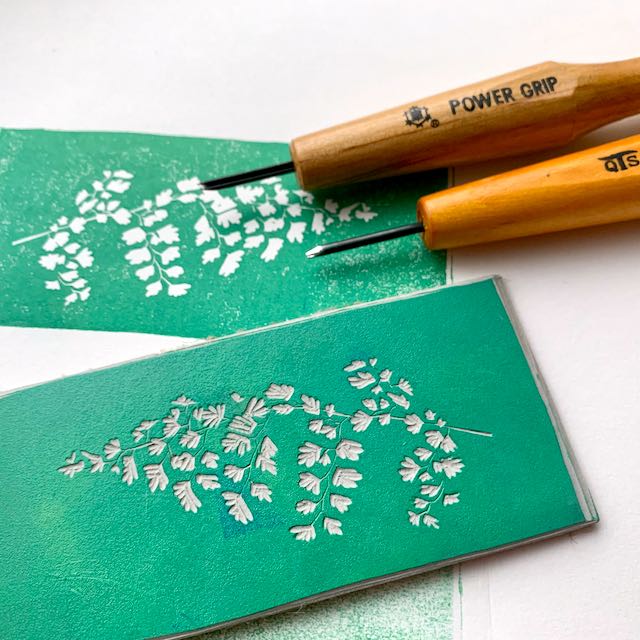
[429, 463]
[258, 218]
[180, 450]
[328, 454]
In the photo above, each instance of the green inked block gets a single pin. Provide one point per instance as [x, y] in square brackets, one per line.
[276, 467]
[112, 231]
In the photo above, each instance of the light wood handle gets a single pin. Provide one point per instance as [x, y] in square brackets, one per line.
[535, 108]
[592, 187]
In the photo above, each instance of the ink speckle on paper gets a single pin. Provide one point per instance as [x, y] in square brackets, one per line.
[418, 607]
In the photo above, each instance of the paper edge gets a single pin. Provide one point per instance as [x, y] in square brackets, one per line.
[155, 134]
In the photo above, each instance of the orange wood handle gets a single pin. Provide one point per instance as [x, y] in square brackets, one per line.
[583, 189]
[535, 108]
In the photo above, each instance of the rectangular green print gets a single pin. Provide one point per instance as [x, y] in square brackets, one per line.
[113, 231]
[277, 466]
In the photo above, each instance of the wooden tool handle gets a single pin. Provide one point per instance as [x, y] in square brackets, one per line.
[588, 188]
[538, 107]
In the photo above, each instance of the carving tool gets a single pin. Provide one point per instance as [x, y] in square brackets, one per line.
[591, 187]
[539, 107]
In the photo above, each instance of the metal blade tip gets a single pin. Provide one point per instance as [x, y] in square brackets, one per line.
[363, 241]
[316, 251]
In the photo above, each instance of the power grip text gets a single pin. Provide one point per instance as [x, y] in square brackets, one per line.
[505, 95]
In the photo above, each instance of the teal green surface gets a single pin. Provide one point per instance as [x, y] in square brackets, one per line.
[91, 556]
[42, 173]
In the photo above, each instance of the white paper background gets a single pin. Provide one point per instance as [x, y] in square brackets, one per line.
[260, 70]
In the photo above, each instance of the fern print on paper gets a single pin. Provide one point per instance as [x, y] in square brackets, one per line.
[230, 447]
[258, 218]
[112, 232]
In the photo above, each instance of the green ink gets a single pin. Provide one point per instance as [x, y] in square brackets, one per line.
[418, 607]
[217, 482]
[112, 231]
[42, 173]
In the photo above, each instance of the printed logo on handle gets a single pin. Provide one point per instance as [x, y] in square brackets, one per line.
[418, 117]
[621, 161]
